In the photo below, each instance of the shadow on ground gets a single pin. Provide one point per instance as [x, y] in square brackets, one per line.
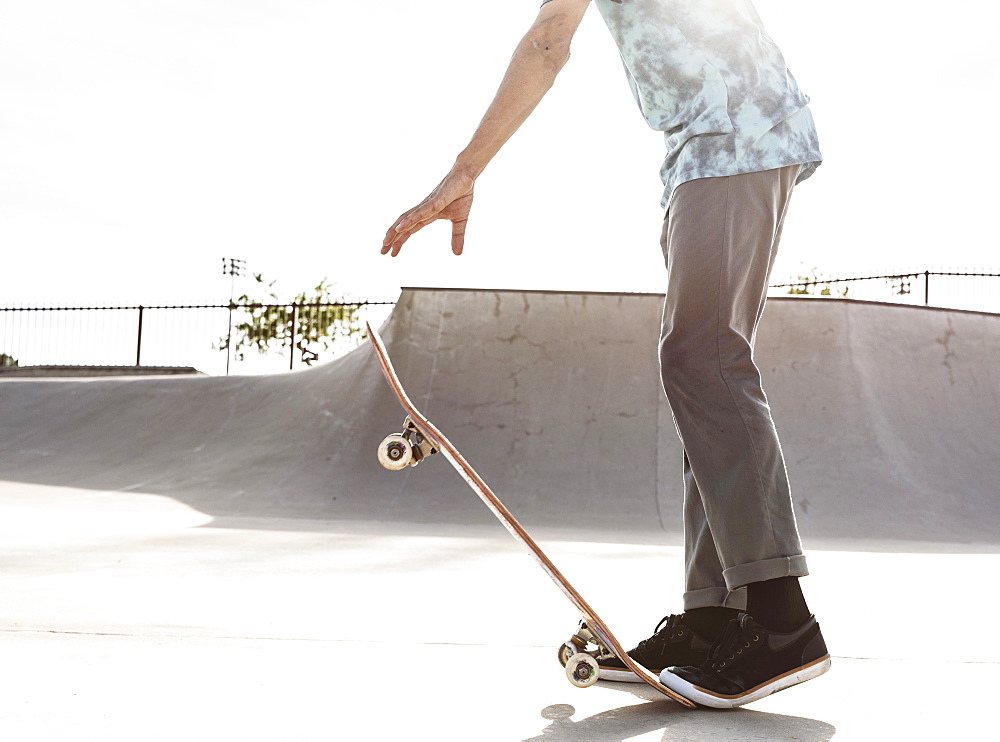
[678, 724]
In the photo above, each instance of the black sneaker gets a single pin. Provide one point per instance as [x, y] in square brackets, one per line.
[748, 662]
[673, 643]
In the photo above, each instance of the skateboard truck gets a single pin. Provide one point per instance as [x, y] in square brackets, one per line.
[407, 448]
[580, 662]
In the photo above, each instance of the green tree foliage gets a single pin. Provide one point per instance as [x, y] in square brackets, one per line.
[312, 322]
[816, 285]
[7, 361]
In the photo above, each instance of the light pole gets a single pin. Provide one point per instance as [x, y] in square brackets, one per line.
[232, 267]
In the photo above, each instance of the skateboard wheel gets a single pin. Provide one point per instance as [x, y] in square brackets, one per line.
[582, 670]
[566, 651]
[395, 452]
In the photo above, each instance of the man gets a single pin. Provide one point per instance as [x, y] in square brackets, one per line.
[739, 135]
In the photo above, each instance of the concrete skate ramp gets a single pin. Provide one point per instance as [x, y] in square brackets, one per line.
[889, 417]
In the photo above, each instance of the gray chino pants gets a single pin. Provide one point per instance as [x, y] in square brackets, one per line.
[719, 241]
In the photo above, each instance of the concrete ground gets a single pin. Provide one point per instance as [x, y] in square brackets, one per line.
[129, 616]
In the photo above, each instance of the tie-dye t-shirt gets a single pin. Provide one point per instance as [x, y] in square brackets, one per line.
[706, 74]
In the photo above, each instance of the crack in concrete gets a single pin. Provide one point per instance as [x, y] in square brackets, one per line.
[945, 342]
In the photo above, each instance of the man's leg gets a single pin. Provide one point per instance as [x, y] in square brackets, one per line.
[720, 240]
[704, 584]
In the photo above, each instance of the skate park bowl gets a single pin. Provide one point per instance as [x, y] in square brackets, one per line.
[233, 542]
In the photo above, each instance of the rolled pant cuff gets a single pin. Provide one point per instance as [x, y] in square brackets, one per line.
[715, 596]
[767, 569]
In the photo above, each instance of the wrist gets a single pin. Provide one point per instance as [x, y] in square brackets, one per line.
[467, 166]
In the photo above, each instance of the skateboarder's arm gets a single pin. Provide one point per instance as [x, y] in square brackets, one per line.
[537, 60]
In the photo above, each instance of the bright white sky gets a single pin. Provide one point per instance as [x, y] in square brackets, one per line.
[143, 140]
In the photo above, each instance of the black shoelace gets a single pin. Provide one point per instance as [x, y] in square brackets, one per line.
[737, 638]
[667, 628]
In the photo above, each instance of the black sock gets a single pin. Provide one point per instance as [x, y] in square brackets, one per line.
[709, 622]
[777, 604]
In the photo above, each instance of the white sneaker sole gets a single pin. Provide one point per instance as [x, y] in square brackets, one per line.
[714, 700]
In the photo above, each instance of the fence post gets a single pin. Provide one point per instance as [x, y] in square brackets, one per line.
[291, 340]
[138, 342]
[927, 288]
[229, 335]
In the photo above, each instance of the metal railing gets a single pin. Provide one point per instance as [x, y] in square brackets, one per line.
[949, 289]
[269, 338]
[212, 338]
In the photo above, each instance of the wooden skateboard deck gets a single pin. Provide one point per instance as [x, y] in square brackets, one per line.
[436, 439]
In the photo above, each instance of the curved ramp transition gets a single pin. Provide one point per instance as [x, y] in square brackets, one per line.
[889, 417]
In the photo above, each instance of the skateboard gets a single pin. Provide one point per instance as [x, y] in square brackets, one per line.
[419, 439]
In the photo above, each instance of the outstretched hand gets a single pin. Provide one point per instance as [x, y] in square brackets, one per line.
[451, 200]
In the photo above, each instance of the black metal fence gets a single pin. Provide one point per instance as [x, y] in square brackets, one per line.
[269, 338]
[978, 292]
[212, 338]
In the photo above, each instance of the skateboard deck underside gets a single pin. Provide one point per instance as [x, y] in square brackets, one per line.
[430, 431]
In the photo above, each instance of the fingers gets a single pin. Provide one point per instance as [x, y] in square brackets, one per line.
[401, 231]
[409, 223]
[458, 236]
[416, 218]
[450, 203]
